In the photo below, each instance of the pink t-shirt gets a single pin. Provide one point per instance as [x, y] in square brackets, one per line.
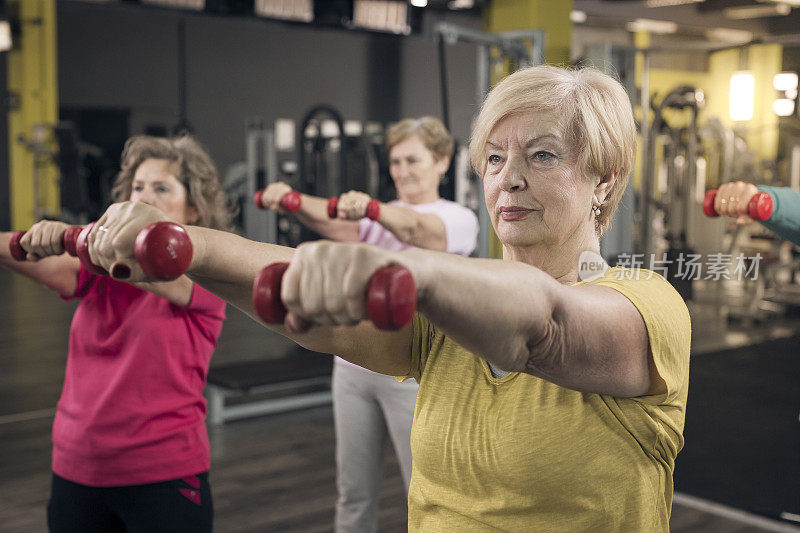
[132, 409]
[460, 224]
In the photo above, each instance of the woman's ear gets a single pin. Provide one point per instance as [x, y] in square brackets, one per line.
[604, 187]
[442, 165]
[192, 215]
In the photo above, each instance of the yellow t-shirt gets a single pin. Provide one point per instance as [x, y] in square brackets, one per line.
[519, 453]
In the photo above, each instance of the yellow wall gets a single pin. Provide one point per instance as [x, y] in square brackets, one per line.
[31, 70]
[761, 133]
[547, 15]
[764, 61]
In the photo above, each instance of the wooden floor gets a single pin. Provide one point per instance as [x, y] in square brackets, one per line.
[272, 473]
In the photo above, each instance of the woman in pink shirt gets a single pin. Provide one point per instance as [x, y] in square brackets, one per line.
[130, 446]
[369, 407]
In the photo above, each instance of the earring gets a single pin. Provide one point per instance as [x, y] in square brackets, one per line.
[596, 210]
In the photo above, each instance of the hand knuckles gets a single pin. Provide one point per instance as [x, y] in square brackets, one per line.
[353, 292]
[334, 301]
[119, 244]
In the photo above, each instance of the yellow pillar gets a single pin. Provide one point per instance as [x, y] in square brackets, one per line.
[548, 15]
[31, 66]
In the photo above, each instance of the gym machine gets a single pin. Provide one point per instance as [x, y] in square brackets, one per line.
[331, 158]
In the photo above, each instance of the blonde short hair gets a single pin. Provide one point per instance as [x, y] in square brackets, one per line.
[195, 170]
[431, 132]
[595, 110]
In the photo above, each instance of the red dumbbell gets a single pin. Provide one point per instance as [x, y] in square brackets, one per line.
[759, 207]
[391, 296]
[19, 253]
[162, 249]
[71, 240]
[291, 201]
[373, 208]
[82, 250]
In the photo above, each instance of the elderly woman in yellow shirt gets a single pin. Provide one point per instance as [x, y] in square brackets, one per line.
[546, 402]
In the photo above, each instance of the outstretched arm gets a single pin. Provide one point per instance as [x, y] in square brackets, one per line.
[785, 219]
[423, 230]
[733, 199]
[47, 263]
[227, 265]
[313, 213]
[587, 338]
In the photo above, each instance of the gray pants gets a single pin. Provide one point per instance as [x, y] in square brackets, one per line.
[368, 408]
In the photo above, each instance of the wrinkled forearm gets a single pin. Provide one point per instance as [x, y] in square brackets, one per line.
[227, 264]
[313, 214]
[423, 230]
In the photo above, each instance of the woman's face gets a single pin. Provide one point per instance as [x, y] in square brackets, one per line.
[536, 195]
[154, 183]
[415, 171]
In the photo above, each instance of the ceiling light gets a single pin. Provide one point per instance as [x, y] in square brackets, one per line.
[783, 107]
[742, 96]
[654, 26]
[382, 15]
[577, 17]
[754, 12]
[668, 3]
[785, 81]
[301, 10]
[728, 35]
[461, 4]
[419, 3]
[793, 3]
[5, 36]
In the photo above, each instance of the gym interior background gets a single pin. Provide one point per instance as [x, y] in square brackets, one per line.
[301, 91]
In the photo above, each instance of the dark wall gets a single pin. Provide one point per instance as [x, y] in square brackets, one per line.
[127, 57]
[420, 92]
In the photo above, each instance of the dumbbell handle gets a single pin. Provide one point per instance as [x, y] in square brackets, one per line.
[373, 208]
[391, 296]
[69, 240]
[759, 207]
[291, 201]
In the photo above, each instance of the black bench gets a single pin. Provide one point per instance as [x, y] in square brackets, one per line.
[297, 380]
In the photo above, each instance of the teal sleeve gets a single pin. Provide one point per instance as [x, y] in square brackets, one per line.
[785, 219]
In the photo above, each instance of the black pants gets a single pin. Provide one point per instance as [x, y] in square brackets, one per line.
[177, 505]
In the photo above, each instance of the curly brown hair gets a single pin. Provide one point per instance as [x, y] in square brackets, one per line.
[195, 170]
